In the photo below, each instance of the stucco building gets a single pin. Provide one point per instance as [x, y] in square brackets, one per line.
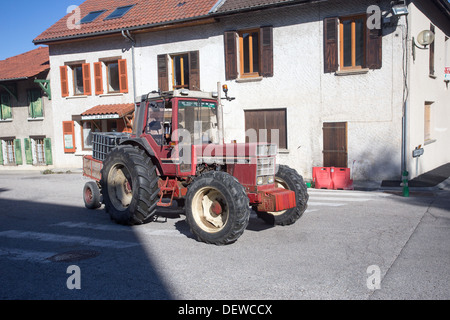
[338, 80]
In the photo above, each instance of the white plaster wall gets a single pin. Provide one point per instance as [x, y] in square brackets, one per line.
[425, 88]
[90, 51]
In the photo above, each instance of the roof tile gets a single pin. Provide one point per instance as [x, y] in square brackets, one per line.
[120, 109]
[143, 13]
[25, 65]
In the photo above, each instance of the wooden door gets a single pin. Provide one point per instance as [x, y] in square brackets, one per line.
[335, 144]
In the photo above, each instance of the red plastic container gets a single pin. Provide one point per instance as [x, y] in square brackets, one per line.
[341, 178]
[322, 178]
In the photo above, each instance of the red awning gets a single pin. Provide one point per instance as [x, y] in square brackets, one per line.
[108, 111]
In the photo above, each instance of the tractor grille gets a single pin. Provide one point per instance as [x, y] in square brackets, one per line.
[265, 167]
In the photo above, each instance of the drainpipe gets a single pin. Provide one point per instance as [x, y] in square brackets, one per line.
[126, 34]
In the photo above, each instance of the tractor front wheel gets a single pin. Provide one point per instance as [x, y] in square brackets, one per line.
[217, 208]
[288, 178]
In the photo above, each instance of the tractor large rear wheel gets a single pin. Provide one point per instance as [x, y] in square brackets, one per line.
[288, 178]
[129, 186]
[217, 208]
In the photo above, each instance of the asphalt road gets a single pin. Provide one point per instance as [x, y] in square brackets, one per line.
[348, 245]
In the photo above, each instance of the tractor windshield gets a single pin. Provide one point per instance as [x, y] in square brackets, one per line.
[199, 119]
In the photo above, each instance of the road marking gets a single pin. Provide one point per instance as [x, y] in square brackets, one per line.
[32, 256]
[15, 234]
[145, 230]
[326, 204]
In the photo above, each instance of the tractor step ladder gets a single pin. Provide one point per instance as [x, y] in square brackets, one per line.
[165, 189]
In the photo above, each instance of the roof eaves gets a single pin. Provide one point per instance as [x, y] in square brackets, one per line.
[118, 30]
[264, 6]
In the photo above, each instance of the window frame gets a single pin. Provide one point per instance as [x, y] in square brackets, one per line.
[251, 73]
[108, 75]
[75, 79]
[184, 77]
[352, 18]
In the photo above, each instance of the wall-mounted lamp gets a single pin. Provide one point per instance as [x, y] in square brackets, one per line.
[424, 38]
[400, 10]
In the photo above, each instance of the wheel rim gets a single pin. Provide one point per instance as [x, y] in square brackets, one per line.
[119, 187]
[88, 195]
[280, 183]
[210, 209]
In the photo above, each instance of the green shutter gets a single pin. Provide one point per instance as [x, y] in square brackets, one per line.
[48, 151]
[1, 152]
[5, 107]
[35, 104]
[28, 154]
[18, 151]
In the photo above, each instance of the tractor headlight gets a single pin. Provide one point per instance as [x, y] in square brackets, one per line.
[259, 181]
[270, 180]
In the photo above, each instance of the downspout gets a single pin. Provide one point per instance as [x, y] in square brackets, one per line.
[126, 34]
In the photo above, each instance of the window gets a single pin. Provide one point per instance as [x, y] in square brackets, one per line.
[81, 79]
[349, 44]
[180, 71]
[427, 122]
[10, 151]
[269, 125]
[352, 42]
[78, 86]
[183, 73]
[119, 12]
[112, 69]
[91, 16]
[38, 151]
[5, 110]
[89, 127]
[249, 53]
[35, 109]
[116, 75]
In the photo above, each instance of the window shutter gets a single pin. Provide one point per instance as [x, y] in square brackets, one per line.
[330, 43]
[1, 152]
[266, 51]
[98, 78]
[35, 109]
[48, 151]
[373, 48]
[5, 107]
[431, 57]
[231, 71]
[87, 79]
[28, 154]
[194, 70]
[163, 75]
[64, 81]
[18, 151]
[123, 75]
[69, 136]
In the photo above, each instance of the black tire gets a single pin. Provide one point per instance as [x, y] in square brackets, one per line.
[232, 212]
[288, 178]
[129, 185]
[91, 195]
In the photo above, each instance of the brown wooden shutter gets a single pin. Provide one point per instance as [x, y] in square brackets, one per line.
[64, 81]
[194, 70]
[98, 78]
[432, 53]
[373, 48]
[87, 79]
[163, 73]
[69, 136]
[123, 75]
[266, 41]
[231, 70]
[330, 43]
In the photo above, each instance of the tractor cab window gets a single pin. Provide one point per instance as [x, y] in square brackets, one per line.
[159, 124]
[199, 119]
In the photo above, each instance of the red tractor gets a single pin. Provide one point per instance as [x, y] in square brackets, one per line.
[175, 153]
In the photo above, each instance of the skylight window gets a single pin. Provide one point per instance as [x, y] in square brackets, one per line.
[91, 16]
[119, 12]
